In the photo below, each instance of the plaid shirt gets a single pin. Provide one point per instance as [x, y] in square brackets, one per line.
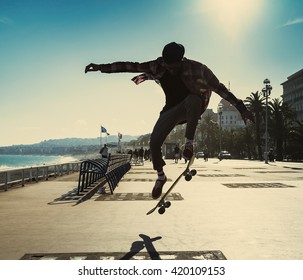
[197, 77]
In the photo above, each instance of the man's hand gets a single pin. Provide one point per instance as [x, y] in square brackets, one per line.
[248, 115]
[92, 67]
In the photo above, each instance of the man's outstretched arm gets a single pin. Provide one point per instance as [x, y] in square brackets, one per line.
[130, 67]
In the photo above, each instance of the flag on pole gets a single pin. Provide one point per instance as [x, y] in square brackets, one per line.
[119, 135]
[104, 130]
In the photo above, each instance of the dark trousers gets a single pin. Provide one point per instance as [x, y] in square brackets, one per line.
[188, 110]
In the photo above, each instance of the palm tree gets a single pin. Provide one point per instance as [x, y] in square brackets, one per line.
[209, 130]
[255, 103]
[276, 126]
[297, 132]
[246, 141]
[281, 118]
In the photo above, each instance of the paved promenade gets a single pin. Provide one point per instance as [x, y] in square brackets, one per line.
[233, 209]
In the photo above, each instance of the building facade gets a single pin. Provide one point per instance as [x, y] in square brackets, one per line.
[230, 117]
[293, 93]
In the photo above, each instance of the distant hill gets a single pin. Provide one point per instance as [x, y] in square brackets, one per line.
[75, 142]
[65, 146]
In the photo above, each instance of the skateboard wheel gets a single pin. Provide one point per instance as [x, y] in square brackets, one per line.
[193, 172]
[188, 177]
[161, 210]
[167, 204]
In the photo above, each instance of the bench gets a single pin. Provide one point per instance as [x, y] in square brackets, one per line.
[95, 172]
[118, 166]
[91, 171]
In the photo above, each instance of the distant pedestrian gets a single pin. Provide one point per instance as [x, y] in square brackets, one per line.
[104, 151]
[141, 156]
[271, 155]
[205, 154]
[130, 152]
[177, 153]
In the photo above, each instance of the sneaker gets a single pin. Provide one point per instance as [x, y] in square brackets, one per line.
[188, 151]
[157, 190]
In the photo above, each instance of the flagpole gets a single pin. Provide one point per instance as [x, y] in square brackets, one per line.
[119, 149]
[101, 136]
[103, 130]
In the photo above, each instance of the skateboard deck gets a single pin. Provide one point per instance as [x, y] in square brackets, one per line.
[162, 204]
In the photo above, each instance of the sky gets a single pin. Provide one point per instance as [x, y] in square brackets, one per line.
[46, 44]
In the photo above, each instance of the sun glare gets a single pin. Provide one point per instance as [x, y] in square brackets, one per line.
[233, 17]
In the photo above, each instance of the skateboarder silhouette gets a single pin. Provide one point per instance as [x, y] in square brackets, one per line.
[187, 85]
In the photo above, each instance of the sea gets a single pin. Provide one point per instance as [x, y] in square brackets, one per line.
[22, 161]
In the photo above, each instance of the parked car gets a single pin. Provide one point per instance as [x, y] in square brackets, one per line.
[224, 155]
[199, 155]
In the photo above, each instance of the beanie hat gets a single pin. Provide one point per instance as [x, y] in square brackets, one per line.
[173, 52]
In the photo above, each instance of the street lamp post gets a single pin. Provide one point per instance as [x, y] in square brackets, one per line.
[266, 93]
[220, 111]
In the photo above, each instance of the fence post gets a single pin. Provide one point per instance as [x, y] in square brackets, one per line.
[5, 181]
[23, 177]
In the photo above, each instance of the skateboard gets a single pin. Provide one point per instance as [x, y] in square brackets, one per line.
[162, 204]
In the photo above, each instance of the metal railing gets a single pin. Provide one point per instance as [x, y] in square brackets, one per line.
[20, 176]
